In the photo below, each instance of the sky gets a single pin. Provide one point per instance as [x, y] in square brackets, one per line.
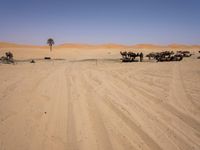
[100, 21]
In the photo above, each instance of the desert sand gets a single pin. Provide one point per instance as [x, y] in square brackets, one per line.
[89, 100]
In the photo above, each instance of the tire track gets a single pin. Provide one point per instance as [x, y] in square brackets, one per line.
[71, 128]
[171, 110]
[102, 136]
[179, 140]
[137, 129]
[185, 118]
[145, 137]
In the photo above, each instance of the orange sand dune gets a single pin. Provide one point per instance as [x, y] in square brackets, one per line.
[76, 51]
[14, 45]
[101, 46]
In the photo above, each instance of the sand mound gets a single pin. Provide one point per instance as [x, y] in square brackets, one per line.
[102, 46]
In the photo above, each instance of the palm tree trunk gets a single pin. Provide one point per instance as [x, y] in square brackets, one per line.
[50, 48]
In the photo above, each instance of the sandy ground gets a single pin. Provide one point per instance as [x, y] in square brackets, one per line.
[86, 104]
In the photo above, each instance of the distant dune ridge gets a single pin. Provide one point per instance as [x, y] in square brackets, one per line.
[100, 46]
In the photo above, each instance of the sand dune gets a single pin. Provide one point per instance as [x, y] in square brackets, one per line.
[93, 101]
[14, 45]
[102, 46]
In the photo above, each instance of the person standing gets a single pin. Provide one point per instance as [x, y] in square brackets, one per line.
[141, 57]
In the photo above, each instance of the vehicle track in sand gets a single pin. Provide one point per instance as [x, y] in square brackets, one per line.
[82, 105]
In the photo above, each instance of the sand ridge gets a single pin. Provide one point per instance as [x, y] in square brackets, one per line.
[102, 46]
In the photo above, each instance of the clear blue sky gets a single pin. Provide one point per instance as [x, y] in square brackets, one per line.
[100, 21]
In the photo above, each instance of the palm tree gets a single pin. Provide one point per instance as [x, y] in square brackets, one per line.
[50, 42]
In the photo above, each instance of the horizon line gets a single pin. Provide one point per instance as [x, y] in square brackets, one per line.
[92, 44]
